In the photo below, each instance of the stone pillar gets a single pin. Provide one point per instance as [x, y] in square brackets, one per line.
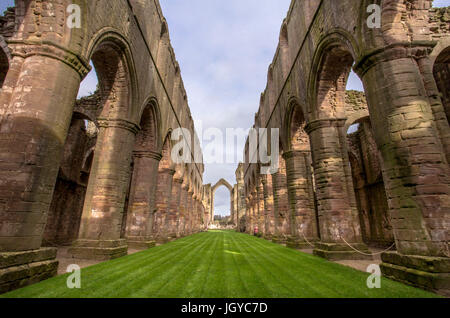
[197, 214]
[261, 212]
[174, 209]
[205, 218]
[415, 169]
[190, 212]
[182, 224]
[200, 215]
[254, 211]
[163, 192]
[235, 205]
[268, 206]
[194, 213]
[139, 232]
[301, 199]
[282, 231]
[247, 213]
[338, 215]
[33, 128]
[100, 230]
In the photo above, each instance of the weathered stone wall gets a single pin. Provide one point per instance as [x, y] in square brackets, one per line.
[127, 195]
[403, 66]
[64, 216]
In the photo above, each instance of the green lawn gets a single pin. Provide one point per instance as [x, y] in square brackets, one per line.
[219, 264]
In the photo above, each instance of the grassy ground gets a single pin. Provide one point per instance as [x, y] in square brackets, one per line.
[219, 264]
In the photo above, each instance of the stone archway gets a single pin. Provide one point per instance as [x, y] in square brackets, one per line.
[222, 182]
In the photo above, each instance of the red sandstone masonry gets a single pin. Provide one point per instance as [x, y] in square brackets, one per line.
[37, 101]
[404, 67]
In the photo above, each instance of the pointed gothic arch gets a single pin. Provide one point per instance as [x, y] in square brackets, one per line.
[226, 184]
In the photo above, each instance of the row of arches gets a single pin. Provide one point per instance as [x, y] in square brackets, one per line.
[95, 173]
[385, 180]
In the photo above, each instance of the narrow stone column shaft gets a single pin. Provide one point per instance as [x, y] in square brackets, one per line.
[337, 215]
[281, 201]
[142, 198]
[163, 193]
[301, 195]
[109, 180]
[174, 208]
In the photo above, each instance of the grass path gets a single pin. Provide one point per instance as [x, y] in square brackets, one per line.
[219, 264]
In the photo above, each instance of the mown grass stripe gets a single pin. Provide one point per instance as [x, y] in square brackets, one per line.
[219, 264]
[280, 272]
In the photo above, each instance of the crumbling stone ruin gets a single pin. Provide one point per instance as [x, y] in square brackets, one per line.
[386, 183]
[96, 174]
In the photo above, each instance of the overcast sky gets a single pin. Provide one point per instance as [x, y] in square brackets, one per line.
[224, 48]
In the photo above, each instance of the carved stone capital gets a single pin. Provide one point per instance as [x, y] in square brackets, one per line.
[27, 48]
[324, 123]
[119, 123]
[296, 153]
[147, 154]
[415, 49]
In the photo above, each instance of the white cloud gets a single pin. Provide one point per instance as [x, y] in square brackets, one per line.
[224, 49]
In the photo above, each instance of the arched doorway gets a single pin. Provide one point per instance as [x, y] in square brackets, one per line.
[368, 183]
[112, 106]
[224, 183]
[65, 211]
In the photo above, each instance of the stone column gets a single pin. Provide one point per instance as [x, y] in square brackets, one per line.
[174, 209]
[200, 215]
[261, 212]
[35, 113]
[415, 169]
[338, 215]
[182, 225]
[139, 232]
[190, 212]
[205, 218]
[100, 230]
[282, 231]
[194, 214]
[268, 206]
[301, 199]
[247, 213]
[197, 215]
[235, 205]
[254, 211]
[163, 193]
